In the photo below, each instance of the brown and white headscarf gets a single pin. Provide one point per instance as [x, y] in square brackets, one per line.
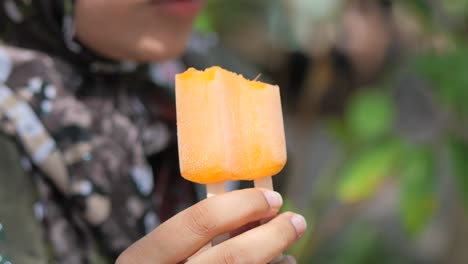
[98, 136]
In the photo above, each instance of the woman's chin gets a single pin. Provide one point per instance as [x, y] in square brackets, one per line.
[158, 51]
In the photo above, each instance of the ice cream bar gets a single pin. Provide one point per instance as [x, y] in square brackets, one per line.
[229, 128]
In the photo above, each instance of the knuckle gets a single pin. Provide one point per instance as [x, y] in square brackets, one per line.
[256, 203]
[198, 220]
[252, 208]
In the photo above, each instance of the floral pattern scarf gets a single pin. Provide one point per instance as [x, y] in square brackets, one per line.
[98, 136]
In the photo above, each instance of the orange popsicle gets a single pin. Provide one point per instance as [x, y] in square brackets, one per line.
[229, 128]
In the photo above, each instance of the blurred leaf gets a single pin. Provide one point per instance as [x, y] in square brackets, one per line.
[204, 23]
[447, 73]
[370, 115]
[459, 161]
[362, 175]
[417, 192]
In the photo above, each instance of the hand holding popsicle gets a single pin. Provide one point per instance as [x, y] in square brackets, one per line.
[182, 238]
[229, 128]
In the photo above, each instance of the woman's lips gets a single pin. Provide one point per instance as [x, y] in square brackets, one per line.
[180, 8]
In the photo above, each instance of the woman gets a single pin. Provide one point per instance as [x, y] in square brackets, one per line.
[94, 131]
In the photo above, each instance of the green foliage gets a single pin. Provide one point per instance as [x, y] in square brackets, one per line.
[204, 23]
[447, 73]
[359, 247]
[369, 119]
[420, 8]
[370, 115]
[226, 15]
[366, 136]
[456, 8]
[359, 244]
[339, 130]
[288, 206]
[299, 248]
[459, 160]
[366, 170]
[417, 189]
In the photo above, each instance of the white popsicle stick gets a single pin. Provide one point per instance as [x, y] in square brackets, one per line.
[212, 190]
[264, 183]
[215, 189]
[267, 183]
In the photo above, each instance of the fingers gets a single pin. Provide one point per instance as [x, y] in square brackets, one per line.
[244, 229]
[259, 245]
[187, 232]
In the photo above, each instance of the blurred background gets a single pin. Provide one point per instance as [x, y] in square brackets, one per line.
[375, 95]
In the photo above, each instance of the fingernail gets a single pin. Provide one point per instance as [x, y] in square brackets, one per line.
[274, 199]
[299, 223]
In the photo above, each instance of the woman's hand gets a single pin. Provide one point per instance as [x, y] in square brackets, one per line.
[183, 237]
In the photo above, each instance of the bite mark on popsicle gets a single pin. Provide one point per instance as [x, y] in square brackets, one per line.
[229, 128]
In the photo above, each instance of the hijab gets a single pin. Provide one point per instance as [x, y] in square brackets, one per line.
[98, 136]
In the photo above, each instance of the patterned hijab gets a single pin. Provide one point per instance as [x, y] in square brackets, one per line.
[98, 136]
